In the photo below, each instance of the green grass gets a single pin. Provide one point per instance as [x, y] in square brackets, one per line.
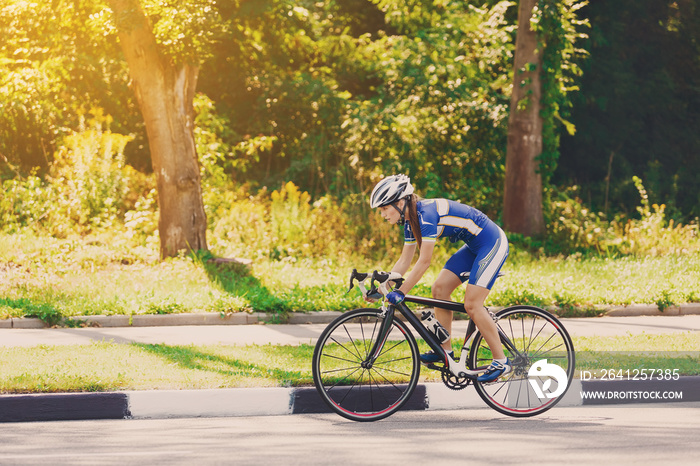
[579, 281]
[679, 351]
[53, 278]
[111, 366]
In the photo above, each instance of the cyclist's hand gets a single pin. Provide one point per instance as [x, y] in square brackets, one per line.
[395, 297]
[373, 297]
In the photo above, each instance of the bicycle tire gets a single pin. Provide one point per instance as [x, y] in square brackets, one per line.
[537, 335]
[360, 393]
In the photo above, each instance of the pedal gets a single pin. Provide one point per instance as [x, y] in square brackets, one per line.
[472, 374]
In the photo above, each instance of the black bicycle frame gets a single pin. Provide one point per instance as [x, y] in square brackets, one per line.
[428, 336]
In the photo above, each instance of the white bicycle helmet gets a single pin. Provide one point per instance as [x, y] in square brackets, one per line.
[389, 190]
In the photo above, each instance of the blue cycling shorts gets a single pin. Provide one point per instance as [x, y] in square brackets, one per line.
[482, 258]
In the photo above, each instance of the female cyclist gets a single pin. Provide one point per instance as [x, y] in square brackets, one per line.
[483, 254]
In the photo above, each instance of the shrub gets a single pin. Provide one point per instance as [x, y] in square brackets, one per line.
[573, 228]
[90, 174]
[286, 225]
[89, 186]
[25, 203]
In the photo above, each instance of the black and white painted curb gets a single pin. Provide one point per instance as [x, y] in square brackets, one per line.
[163, 404]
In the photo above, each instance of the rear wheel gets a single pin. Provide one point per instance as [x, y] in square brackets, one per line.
[347, 384]
[542, 360]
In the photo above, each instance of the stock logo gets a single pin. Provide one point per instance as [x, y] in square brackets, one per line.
[543, 370]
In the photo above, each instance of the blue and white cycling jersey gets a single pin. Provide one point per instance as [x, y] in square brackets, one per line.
[443, 218]
[486, 246]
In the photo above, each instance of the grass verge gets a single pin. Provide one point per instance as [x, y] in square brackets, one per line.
[112, 367]
[55, 278]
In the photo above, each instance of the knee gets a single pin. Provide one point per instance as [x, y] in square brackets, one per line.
[472, 307]
[441, 291]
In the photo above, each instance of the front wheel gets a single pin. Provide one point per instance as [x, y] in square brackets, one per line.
[351, 387]
[542, 358]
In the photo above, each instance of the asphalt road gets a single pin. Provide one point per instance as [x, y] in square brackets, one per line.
[306, 333]
[636, 435]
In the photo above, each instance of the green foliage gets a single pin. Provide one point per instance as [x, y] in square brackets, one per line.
[186, 30]
[345, 91]
[89, 186]
[304, 104]
[25, 203]
[440, 107]
[285, 225]
[332, 94]
[91, 175]
[27, 307]
[56, 59]
[141, 222]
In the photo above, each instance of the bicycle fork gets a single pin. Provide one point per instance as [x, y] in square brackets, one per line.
[384, 330]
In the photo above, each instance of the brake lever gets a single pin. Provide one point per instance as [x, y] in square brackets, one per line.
[384, 278]
[352, 280]
[361, 279]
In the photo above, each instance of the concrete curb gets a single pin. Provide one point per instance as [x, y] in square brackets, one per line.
[171, 320]
[164, 404]
[321, 317]
[653, 310]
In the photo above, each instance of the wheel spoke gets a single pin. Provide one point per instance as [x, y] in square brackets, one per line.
[386, 369]
[352, 343]
[332, 356]
[342, 380]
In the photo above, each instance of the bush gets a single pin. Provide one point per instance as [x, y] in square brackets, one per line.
[90, 175]
[25, 203]
[573, 228]
[89, 186]
[286, 225]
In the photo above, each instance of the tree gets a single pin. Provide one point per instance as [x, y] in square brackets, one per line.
[522, 206]
[544, 74]
[165, 89]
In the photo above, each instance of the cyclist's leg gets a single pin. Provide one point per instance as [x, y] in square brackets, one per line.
[474, 298]
[490, 257]
[443, 287]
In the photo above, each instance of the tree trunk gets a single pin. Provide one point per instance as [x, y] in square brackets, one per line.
[165, 94]
[522, 212]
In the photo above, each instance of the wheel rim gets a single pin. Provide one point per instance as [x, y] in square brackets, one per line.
[526, 390]
[358, 391]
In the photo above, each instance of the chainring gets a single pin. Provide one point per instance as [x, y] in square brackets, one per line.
[453, 382]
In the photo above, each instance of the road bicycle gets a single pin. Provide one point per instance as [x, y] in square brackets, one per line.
[366, 363]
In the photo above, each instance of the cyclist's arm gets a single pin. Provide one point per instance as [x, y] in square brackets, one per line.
[404, 262]
[422, 265]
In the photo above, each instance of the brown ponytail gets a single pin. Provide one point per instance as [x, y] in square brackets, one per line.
[412, 201]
